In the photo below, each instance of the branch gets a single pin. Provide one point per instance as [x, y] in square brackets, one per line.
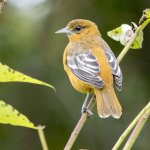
[130, 127]
[135, 133]
[83, 118]
[79, 126]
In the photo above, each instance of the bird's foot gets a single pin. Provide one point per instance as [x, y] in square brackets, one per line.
[86, 110]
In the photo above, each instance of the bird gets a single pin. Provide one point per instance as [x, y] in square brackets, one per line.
[92, 67]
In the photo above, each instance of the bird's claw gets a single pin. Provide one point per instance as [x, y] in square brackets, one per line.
[86, 110]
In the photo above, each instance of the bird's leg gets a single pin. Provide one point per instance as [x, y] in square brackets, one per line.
[84, 106]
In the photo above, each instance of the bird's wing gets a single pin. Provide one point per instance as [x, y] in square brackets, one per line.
[116, 71]
[86, 68]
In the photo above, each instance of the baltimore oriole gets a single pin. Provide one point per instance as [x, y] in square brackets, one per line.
[92, 67]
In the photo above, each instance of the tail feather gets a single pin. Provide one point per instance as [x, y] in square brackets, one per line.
[107, 103]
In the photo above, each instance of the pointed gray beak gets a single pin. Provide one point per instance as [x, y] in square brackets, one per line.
[64, 30]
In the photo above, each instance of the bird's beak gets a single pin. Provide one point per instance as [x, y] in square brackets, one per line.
[64, 30]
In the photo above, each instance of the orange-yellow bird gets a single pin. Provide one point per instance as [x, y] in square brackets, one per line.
[92, 67]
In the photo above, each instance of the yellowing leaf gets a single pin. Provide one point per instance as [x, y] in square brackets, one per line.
[9, 75]
[9, 115]
[124, 33]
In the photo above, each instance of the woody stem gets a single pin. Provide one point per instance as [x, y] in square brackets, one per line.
[79, 126]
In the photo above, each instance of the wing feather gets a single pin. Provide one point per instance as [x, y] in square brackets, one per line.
[116, 71]
[86, 68]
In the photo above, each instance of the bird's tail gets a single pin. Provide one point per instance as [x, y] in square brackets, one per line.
[107, 103]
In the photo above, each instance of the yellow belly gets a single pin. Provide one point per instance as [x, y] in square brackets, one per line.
[78, 84]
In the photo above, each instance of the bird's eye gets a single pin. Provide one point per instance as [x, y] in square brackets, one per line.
[78, 28]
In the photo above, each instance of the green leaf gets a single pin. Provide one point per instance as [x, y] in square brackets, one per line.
[9, 115]
[124, 33]
[9, 75]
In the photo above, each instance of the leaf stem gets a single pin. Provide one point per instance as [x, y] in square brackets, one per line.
[42, 137]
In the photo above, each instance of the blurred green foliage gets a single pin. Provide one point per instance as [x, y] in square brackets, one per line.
[28, 44]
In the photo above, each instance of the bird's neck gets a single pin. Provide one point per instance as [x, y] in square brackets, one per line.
[83, 44]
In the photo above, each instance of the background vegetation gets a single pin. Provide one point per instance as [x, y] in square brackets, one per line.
[28, 44]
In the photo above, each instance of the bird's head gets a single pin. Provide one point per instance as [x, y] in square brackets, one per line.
[77, 29]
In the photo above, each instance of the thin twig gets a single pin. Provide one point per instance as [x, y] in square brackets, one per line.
[79, 126]
[137, 130]
[42, 137]
[130, 127]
